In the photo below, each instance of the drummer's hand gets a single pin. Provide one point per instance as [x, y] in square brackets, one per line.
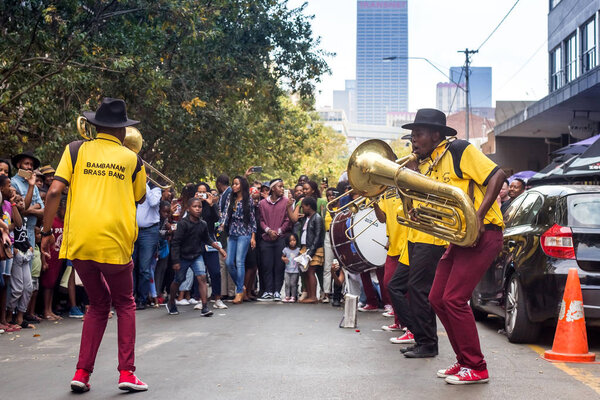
[273, 234]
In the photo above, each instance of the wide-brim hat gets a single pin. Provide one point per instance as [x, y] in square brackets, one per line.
[431, 118]
[112, 113]
[26, 154]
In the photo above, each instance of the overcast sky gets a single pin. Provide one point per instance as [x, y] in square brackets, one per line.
[517, 52]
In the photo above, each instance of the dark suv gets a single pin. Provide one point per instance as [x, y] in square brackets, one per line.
[549, 229]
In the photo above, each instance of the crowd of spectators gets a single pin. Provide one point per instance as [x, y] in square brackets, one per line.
[207, 247]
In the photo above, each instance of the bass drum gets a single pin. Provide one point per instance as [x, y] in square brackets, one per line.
[367, 249]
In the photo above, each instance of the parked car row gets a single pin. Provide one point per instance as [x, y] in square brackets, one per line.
[549, 229]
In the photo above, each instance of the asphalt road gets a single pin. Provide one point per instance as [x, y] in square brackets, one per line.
[279, 351]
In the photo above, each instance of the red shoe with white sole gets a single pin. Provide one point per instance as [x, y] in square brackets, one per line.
[80, 380]
[451, 370]
[467, 376]
[128, 381]
[407, 338]
[392, 328]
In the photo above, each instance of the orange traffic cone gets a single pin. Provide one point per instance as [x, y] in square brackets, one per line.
[570, 340]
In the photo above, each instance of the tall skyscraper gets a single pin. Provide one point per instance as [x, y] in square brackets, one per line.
[381, 86]
[480, 84]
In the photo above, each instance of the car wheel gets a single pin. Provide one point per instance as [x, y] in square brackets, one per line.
[477, 313]
[518, 327]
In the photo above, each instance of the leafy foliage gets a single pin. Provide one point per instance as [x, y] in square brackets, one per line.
[209, 79]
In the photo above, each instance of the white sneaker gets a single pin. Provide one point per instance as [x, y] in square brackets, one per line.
[183, 302]
[193, 301]
[219, 304]
[198, 306]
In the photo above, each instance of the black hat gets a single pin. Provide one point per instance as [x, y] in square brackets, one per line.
[431, 118]
[26, 154]
[111, 114]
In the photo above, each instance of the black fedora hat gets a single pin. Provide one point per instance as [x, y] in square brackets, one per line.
[431, 118]
[110, 114]
[26, 154]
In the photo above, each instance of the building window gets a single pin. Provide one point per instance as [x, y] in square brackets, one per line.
[556, 69]
[554, 3]
[571, 58]
[588, 46]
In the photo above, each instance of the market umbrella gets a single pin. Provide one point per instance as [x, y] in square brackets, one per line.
[578, 147]
[587, 164]
[524, 175]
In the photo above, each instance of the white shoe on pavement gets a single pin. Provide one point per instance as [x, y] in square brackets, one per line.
[183, 302]
[219, 304]
[198, 306]
[193, 301]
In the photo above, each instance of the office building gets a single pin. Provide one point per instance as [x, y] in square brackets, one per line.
[381, 86]
[346, 100]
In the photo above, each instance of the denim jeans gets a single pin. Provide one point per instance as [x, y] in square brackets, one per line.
[196, 265]
[211, 260]
[237, 247]
[143, 252]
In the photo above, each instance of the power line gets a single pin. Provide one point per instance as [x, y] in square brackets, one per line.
[456, 90]
[498, 26]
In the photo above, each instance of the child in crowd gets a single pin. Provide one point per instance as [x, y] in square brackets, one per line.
[7, 194]
[163, 250]
[50, 275]
[187, 248]
[20, 275]
[292, 272]
[339, 277]
[38, 264]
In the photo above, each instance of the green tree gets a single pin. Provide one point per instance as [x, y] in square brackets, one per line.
[207, 78]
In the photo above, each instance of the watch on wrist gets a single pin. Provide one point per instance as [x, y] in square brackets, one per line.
[48, 233]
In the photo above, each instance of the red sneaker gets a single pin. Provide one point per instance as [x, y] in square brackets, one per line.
[451, 370]
[407, 338]
[392, 328]
[80, 380]
[368, 308]
[467, 376]
[128, 381]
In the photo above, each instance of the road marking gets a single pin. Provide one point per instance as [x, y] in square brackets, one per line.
[587, 378]
[164, 338]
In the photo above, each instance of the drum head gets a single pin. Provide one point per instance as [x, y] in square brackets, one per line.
[370, 243]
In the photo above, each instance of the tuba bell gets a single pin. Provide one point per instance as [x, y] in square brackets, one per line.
[133, 141]
[440, 210]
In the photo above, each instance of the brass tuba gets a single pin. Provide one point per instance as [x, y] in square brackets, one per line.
[133, 141]
[441, 210]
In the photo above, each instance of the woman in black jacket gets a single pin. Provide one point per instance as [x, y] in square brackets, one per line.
[312, 240]
[210, 215]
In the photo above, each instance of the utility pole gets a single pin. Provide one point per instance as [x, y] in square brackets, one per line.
[467, 53]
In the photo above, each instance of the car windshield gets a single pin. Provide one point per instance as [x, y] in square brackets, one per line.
[584, 210]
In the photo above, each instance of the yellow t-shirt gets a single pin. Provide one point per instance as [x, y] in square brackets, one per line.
[397, 234]
[461, 164]
[328, 219]
[105, 184]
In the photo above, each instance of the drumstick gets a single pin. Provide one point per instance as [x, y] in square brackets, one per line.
[382, 245]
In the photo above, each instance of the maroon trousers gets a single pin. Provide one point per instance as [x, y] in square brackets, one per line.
[106, 283]
[370, 292]
[460, 269]
[391, 263]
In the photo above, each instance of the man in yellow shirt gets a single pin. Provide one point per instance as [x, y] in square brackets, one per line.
[394, 286]
[460, 164]
[106, 181]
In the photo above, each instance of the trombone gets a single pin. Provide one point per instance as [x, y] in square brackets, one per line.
[133, 141]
